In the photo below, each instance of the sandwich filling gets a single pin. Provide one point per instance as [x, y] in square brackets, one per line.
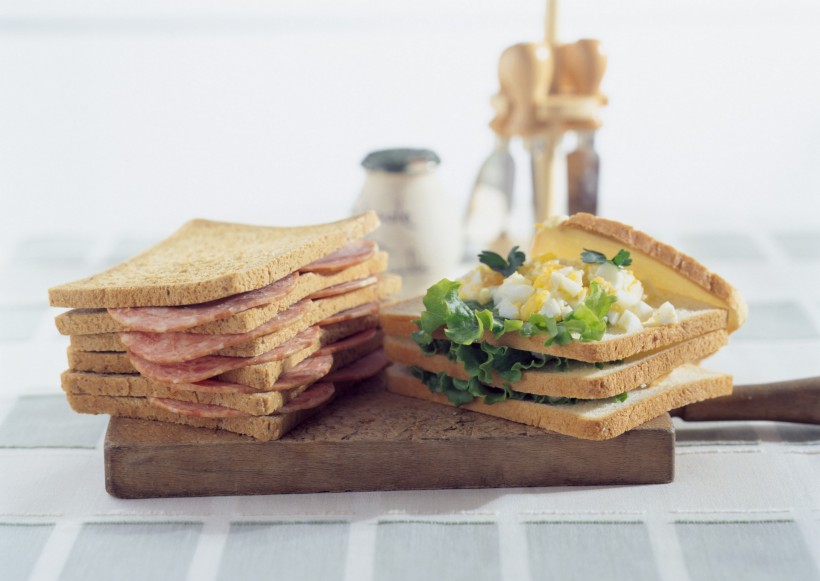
[556, 288]
[460, 392]
[561, 300]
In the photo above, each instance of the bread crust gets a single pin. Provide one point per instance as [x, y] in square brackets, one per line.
[260, 377]
[685, 385]
[206, 260]
[96, 321]
[397, 320]
[580, 380]
[263, 428]
[317, 311]
[633, 239]
[134, 385]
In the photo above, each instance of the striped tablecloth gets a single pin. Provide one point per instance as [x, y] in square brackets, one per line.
[745, 503]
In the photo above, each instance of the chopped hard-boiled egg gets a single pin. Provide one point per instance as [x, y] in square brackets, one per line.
[663, 315]
[554, 288]
[478, 284]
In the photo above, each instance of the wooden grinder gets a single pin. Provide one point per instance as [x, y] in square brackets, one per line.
[546, 89]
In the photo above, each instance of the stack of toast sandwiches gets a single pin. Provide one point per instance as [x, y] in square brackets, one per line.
[598, 329]
[248, 329]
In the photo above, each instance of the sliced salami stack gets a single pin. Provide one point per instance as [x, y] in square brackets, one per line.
[242, 328]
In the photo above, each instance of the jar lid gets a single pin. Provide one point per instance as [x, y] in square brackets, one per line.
[401, 160]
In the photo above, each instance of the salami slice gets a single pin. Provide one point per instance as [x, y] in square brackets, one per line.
[206, 367]
[307, 372]
[354, 253]
[345, 287]
[196, 410]
[312, 397]
[166, 319]
[349, 314]
[178, 347]
[349, 343]
[367, 366]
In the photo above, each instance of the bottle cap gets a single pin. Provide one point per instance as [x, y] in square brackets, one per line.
[401, 160]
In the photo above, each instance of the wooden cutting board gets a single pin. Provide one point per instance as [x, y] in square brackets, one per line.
[375, 440]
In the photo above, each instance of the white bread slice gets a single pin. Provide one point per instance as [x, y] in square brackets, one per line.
[663, 269]
[594, 420]
[317, 311]
[206, 260]
[579, 380]
[132, 385]
[261, 376]
[397, 320]
[96, 321]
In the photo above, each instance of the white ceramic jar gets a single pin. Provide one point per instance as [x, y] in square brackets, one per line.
[421, 227]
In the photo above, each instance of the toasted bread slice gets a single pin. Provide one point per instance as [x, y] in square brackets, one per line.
[397, 320]
[206, 260]
[663, 269]
[261, 376]
[96, 321]
[317, 311]
[132, 385]
[593, 420]
[263, 428]
[579, 380]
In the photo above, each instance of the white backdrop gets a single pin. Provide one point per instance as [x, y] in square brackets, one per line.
[134, 117]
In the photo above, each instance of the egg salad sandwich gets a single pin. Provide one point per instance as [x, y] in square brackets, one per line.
[598, 330]
[248, 329]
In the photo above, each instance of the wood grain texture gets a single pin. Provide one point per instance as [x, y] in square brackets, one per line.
[375, 440]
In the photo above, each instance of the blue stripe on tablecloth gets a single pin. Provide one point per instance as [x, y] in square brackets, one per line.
[719, 434]
[784, 320]
[132, 551]
[20, 322]
[709, 246]
[590, 550]
[47, 421]
[20, 546]
[796, 434]
[803, 245]
[745, 550]
[291, 550]
[407, 551]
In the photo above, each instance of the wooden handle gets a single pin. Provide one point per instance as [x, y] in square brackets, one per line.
[787, 401]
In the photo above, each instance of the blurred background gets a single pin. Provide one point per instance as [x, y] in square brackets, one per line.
[120, 121]
[134, 117]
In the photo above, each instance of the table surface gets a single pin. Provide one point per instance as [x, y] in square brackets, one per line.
[745, 502]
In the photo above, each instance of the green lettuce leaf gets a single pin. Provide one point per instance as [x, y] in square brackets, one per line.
[465, 322]
[460, 392]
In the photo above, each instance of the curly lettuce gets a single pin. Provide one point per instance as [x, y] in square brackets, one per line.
[460, 392]
[484, 360]
[466, 322]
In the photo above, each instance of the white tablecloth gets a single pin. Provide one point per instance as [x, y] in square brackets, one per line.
[745, 503]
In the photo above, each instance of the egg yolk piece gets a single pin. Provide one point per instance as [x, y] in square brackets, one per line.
[554, 288]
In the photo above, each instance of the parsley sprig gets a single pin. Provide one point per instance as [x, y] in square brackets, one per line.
[515, 258]
[620, 260]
